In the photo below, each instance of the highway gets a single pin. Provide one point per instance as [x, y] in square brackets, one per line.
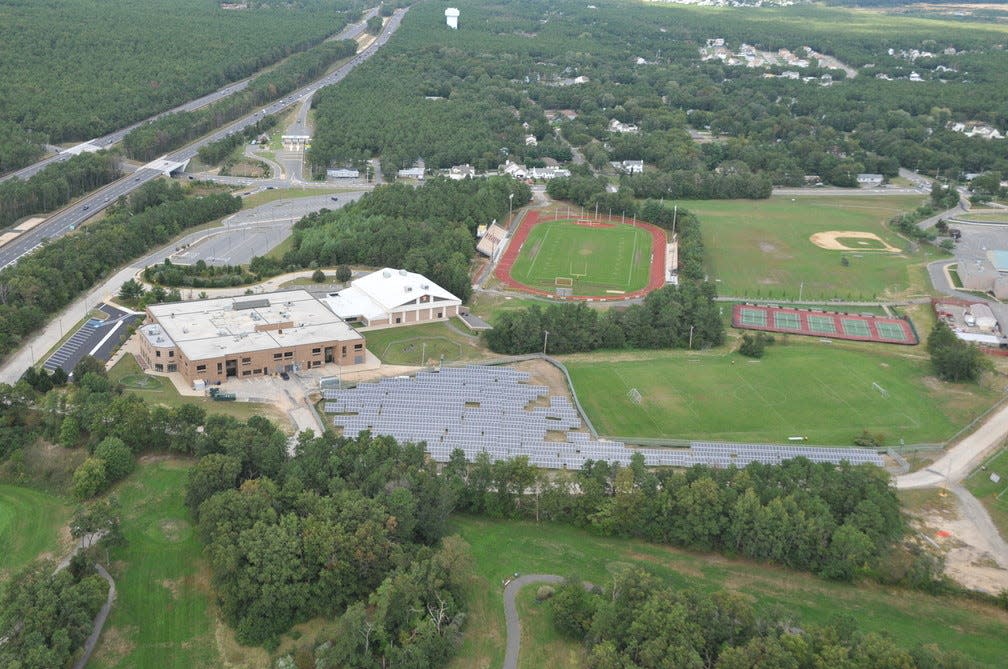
[73, 216]
[352, 31]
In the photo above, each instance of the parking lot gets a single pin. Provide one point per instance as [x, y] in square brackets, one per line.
[95, 337]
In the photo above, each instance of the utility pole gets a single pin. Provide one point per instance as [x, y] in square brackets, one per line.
[801, 289]
[691, 337]
[510, 201]
[545, 339]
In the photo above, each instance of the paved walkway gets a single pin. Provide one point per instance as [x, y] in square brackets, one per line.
[511, 621]
[99, 621]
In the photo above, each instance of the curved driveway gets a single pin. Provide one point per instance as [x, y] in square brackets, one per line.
[511, 591]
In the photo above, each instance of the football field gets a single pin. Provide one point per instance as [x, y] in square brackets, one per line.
[590, 260]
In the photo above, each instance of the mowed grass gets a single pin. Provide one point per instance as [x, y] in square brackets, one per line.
[762, 248]
[501, 548]
[597, 259]
[987, 491]
[30, 523]
[823, 392]
[423, 344]
[162, 616]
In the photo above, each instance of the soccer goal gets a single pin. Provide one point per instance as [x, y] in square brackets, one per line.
[634, 395]
[881, 391]
[564, 281]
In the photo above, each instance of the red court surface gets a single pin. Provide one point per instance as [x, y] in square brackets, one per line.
[656, 276]
[827, 324]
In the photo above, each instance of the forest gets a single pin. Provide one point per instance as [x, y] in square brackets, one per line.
[473, 95]
[636, 620]
[56, 185]
[173, 130]
[429, 230]
[106, 65]
[47, 280]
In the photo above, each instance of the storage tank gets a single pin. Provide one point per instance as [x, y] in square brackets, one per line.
[451, 16]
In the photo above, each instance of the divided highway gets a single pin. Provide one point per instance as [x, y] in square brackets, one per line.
[70, 218]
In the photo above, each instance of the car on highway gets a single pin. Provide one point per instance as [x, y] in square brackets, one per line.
[334, 198]
[86, 207]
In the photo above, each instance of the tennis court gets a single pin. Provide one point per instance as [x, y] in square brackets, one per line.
[818, 323]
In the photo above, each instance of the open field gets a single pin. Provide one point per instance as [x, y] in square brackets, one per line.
[30, 523]
[162, 617]
[159, 390]
[501, 548]
[985, 490]
[423, 344]
[596, 259]
[763, 248]
[820, 391]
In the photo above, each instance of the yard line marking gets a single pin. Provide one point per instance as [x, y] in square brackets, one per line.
[542, 246]
[633, 254]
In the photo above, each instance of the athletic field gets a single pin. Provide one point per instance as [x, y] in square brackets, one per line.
[825, 392]
[572, 258]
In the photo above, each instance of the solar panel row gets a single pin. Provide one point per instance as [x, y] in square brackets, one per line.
[481, 409]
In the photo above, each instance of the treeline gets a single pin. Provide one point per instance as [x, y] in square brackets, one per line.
[47, 280]
[839, 521]
[343, 523]
[96, 82]
[637, 620]
[198, 275]
[670, 317]
[173, 130]
[45, 617]
[56, 185]
[429, 230]
[215, 152]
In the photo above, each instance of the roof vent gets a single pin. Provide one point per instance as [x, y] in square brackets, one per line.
[402, 272]
[387, 274]
[425, 286]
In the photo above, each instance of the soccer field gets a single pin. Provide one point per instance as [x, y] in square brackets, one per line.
[594, 259]
[825, 394]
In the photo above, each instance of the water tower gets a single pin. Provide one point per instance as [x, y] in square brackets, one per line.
[451, 16]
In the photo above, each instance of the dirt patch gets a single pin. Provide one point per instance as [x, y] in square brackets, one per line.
[174, 530]
[767, 247]
[831, 240]
[544, 374]
[116, 644]
[768, 282]
[172, 585]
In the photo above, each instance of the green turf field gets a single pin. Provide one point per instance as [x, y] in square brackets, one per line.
[762, 249]
[823, 392]
[597, 259]
[501, 548]
[30, 523]
[162, 616]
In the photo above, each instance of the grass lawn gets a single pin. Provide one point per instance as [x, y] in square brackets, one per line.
[985, 490]
[159, 390]
[799, 389]
[30, 523]
[597, 259]
[417, 344]
[489, 306]
[502, 548]
[162, 616]
[273, 194]
[762, 248]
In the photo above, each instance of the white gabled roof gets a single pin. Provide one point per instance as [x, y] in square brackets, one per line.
[394, 287]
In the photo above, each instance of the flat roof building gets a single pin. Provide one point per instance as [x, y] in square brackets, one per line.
[213, 340]
[391, 297]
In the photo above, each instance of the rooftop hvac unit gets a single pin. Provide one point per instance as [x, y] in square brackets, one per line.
[387, 274]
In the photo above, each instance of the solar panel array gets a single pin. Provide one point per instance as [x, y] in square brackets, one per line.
[494, 410]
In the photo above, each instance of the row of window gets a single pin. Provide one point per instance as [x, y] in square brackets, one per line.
[171, 353]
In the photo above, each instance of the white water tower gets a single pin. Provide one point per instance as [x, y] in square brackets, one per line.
[451, 16]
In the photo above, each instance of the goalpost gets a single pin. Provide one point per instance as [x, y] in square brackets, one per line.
[634, 396]
[881, 391]
[578, 275]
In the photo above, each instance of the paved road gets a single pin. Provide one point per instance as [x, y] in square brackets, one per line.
[99, 621]
[511, 622]
[71, 217]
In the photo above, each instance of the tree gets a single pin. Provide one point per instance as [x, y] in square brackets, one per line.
[571, 609]
[954, 359]
[343, 273]
[130, 290]
[753, 346]
[89, 478]
[212, 474]
[117, 456]
[88, 365]
[318, 276]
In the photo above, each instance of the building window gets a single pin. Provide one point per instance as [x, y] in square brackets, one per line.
[344, 352]
[276, 356]
[246, 361]
[246, 372]
[200, 368]
[439, 315]
[159, 367]
[316, 351]
[157, 354]
[358, 347]
[288, 354]
[171, 354]
[172, 367]
[398, 320]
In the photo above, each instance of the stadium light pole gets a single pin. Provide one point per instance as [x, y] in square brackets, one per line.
[545, 339]
[691, 337]
[801, 289]
[510, 207]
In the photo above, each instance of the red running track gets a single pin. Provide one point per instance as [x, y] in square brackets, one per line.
[656, 278]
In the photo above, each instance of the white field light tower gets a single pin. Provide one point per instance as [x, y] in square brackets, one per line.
[451, 16]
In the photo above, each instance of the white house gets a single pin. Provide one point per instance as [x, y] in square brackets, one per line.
[460, 172]
[870, 180]
[625, 128]
[629, 166]
[343, 173]
[549, 172]
[530, 140]
[392, 297]
[513, 169]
